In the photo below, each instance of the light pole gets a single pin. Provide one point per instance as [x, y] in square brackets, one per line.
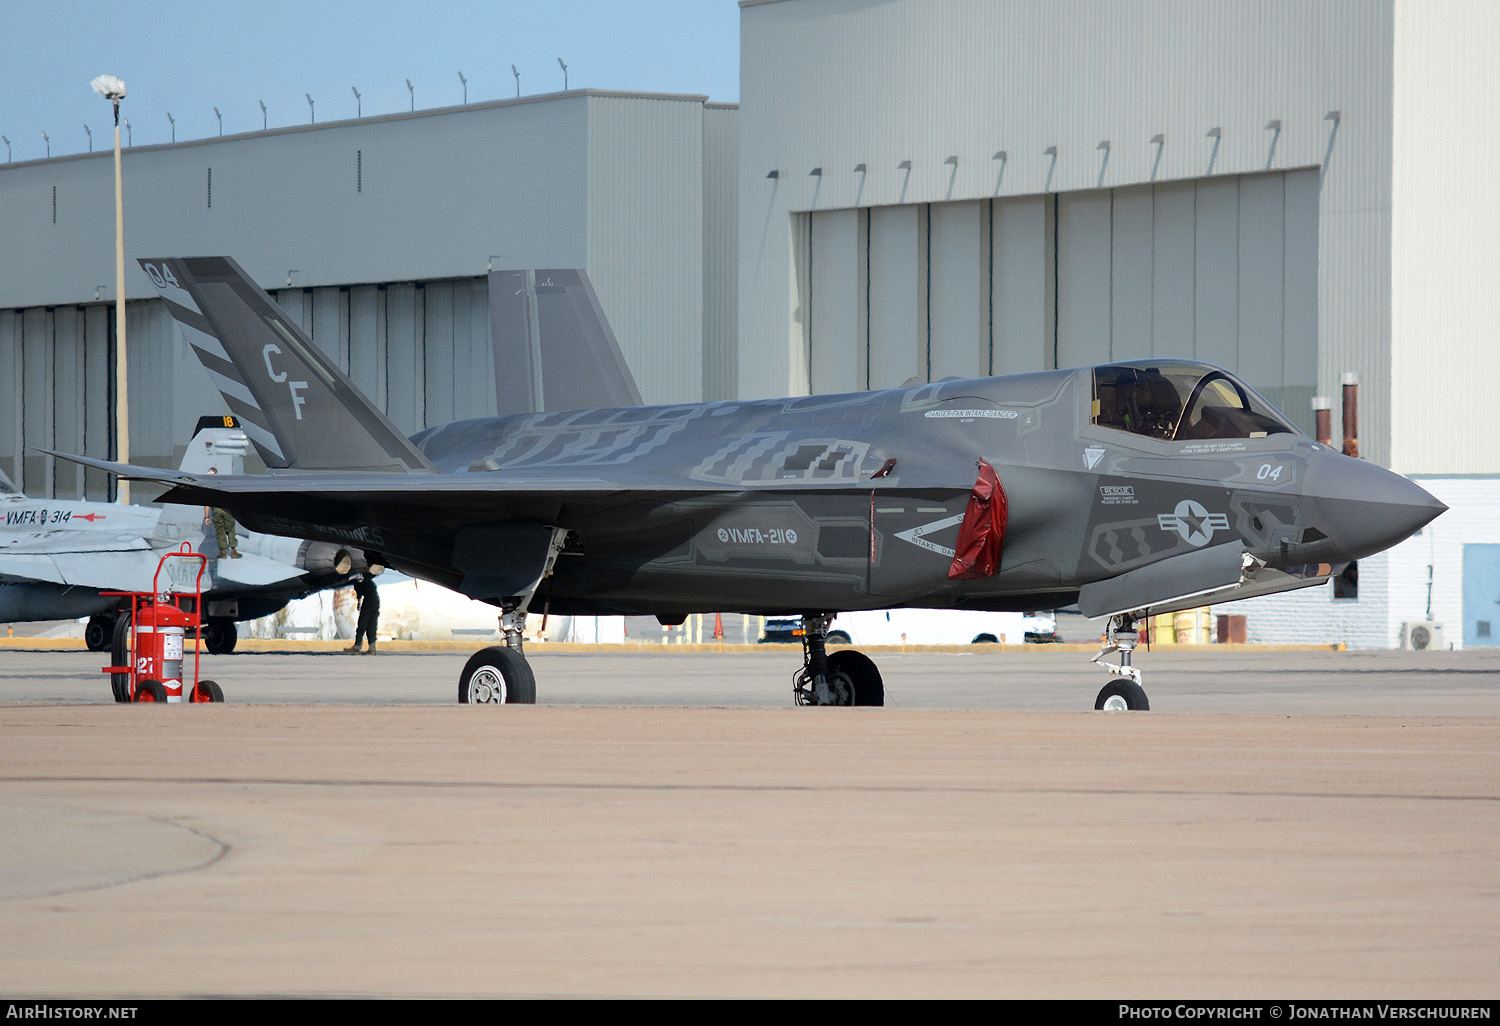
[413, 93]
[129, 135]
[221, 120]
[90, 131]
[516, 73]
[174, 125]
[358, 107]
[312, 114]
[48, 141]
[113, 90]
[565, 73]
[262, 114]
[6, 139]
[466, 87]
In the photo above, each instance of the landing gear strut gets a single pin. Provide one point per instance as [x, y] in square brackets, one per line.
[844, 678]
[1125, 694]
[500, 675]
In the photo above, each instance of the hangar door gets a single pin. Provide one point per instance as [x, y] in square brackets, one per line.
[1217, 269]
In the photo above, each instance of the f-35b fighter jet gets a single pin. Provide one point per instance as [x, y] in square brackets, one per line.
[1130, 489]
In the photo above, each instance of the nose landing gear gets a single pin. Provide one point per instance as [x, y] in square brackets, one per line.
[1125, 694]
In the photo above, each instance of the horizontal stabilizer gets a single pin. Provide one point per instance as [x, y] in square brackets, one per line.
[298, 409]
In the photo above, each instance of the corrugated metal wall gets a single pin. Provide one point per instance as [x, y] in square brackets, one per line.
[645, 237]
[55, 393]
[720, 228]
[1093, 110]
[1445, 261]
[1222, 270]
[57, 364]
[374, 235]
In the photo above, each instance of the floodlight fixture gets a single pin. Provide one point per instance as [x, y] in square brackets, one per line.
[413, 93]
[358, 105]
[1213, 133]
[465, 81]
[312, 112]
[109, 87]
[565, 73]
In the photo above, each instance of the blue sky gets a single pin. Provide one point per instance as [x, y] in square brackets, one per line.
[186, 58]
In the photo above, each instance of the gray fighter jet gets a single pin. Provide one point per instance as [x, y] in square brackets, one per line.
[1130, 489]
[58, 556]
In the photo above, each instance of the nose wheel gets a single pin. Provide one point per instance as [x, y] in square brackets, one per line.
[1125, 694]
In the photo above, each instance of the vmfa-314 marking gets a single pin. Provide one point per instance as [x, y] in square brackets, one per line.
[1128, 488]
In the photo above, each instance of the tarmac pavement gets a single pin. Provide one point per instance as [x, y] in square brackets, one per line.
[1283, 825]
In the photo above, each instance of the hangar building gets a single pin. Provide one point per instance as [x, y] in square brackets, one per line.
[1293, 191]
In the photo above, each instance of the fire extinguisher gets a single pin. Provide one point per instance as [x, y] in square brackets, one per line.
[158, 655]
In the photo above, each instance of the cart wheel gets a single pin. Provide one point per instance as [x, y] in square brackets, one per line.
[208, 691]
[119, 683]
[150, 691]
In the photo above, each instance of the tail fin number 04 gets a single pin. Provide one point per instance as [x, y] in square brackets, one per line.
[295, 387]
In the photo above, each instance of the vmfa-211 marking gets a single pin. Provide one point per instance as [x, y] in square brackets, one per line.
[1127, 488]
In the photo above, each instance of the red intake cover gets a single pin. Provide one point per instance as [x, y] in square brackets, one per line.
[983, 530]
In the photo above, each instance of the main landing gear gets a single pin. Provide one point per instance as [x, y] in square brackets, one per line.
[1126, 693]
[500, 675]
[844, 678]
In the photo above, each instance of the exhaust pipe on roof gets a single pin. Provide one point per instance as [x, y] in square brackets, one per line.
[1322, 420]
[1351, 415]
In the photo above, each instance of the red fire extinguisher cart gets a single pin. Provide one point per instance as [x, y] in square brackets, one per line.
[159, 624]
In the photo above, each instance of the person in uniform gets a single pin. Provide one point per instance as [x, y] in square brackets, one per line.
[223, 525]
[368, 598]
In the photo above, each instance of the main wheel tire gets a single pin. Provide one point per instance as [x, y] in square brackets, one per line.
[119, 683]
[860, 669]
[219, 636]
[838, 638]
[100, 633]
[985, 639]
[150, 691]
[1122, 696]
[497, 676]
[208, 691]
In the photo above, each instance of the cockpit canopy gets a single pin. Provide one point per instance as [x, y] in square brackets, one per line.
[1179, 402]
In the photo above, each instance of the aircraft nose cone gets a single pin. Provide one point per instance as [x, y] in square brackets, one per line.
[1368, 508]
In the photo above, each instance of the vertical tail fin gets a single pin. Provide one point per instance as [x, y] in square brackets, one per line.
[554, 349]
[299, 410]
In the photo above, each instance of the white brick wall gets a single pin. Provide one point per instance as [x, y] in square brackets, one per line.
[1393, 584]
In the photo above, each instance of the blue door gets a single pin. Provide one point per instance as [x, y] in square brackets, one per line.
[1481, 595]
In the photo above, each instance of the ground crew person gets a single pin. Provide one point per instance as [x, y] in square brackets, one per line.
[368, 598]
[223, 524]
